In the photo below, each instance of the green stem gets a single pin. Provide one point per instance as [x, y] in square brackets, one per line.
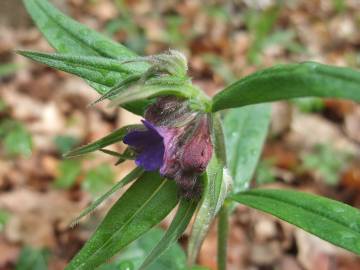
[223, 228]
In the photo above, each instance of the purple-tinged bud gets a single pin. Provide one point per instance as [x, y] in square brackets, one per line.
[197, 150]
[184, 140]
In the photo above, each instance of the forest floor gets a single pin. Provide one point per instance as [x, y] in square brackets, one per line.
[313, 144]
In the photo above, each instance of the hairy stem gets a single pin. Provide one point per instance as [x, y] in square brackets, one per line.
[223, 228]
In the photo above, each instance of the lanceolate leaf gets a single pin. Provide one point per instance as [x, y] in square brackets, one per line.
[290, 81]
[105, 71]
[178, 225]
[113, 137]
[69, 36]
[245, 131]
[144, 205]
[330, 220]
[133, 175]
[215, 190]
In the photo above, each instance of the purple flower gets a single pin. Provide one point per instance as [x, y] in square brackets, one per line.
[176, 141]
[150, 147]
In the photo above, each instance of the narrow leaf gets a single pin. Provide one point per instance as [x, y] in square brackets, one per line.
[105, 71]
[113, 137]
[133, 175]
[290, 81]
[245, 131]
[330, 220]
[178, 225]
[69, 36]
[142, 206]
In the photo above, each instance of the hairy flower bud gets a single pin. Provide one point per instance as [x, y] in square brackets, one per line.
[197, 150]
[177, 142]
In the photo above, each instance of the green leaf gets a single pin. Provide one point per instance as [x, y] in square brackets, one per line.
[4, 217]
[133, 175]
[101, 70]
[327, 163]
[215, 190]
[290, 81]
[173, 258]
[113, 137]
[260, 24]
[16, 140]
[8, 69]
[71, 37]
[69, 170]
[309, 104]
[330, 220]
[32, 259]
[245, 131]
[182, 218]
[65, 143]
[142, 206]
[98, 179]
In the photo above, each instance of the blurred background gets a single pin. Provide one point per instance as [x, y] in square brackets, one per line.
[313, 144]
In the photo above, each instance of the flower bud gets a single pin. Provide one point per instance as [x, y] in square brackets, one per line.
[197, 150]
[182, 148]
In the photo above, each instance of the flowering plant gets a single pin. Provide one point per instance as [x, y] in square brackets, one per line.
[181, 146]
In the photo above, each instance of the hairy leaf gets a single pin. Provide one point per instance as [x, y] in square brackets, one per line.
[105, 71]
[71, 37]
[142, 206]
[290, 81]
[330, 220]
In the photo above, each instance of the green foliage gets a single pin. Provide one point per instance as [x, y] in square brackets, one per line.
[65, 143]
[98, 179]
[264, 173]
[16, 140]
[101, 70]
[330, 220]
[8, 69]
[136, 173]
[142, 206]
[132, 82]
[327, 162]
[245, 132]
[4, 217]
[173, 258]
[339, 5]
[216, 187]
[31, 258]
[290, 81]
[70, 37]
[309, 104]
[68, 172]
[135, 36]
[182, 218]
[260, 24]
